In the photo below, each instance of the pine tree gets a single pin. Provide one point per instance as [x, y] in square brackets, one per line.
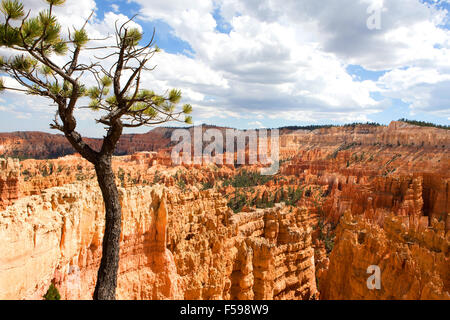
[117, 95]
[52, 293]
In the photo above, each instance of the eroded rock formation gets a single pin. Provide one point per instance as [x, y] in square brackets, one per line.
[412, 256]
[200, 250]
[356, 196]
[9, 182]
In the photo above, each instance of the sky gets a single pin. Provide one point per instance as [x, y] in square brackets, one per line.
[273, 63]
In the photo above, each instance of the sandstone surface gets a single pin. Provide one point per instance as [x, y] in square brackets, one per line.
[354, 196]
[173, 246]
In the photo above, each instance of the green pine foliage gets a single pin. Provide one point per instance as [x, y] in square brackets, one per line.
[293, 196]
[327, 126]
[245, 179]
[180, 180]
[241, 198]
[424, 124]
[41, 36]
[157, 178]
[327, 235]
[237, 202]
[182, 184]
[207, 185]
[52, 293]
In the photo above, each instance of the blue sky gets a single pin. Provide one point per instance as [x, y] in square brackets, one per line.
[250, 64]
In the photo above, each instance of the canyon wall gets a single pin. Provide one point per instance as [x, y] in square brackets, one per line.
[387, 192]
[173, 246]
[396, 134]
[413, 259]
[357, 196]
[41, 145]
[9, 181]
[31, 177]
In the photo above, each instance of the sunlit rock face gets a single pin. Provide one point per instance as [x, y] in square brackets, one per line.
[173, 246]
[412, 256]
[9, 182]
[370, 196]
[387, 191]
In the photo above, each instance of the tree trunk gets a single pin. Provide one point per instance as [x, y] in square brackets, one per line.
[105, 288]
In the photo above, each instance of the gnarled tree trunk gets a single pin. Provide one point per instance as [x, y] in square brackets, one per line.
[107, 273]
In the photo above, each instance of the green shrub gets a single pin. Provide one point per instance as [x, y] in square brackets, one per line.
[424, 124]
[342, 147]
[247, 179]
[52, 293]
[45, 172]
[207, 185]
[157, 177]
[327, 237]
[237, 202]
[182, 184]
[26, 175]
[293, 196]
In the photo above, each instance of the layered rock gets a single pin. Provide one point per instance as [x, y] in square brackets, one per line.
[173, 246]
[57, 236]
[412, 256]
[40, 145]
[143, 168]
[386, 189]
[9, 182]
[396, 134]
[381, 175]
